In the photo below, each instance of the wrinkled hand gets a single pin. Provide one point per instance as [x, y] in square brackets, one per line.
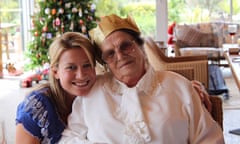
[204, 96]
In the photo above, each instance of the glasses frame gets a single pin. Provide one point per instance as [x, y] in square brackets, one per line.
[125, 47]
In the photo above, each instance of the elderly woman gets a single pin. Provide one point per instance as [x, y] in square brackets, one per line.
[135, 104]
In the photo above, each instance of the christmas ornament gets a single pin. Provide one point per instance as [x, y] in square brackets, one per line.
[93, 8]
[68, 5]
[71, 26]
[69, 16]
[57, 22]
[54, 11]
[74, 10]
[36, 33]
[80, 21]
[80, 12]
[47, 11]
[44, 34]
[61, 11]
[49, 35]
[45, 28]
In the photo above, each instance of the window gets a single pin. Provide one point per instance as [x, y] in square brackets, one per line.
[194, 11]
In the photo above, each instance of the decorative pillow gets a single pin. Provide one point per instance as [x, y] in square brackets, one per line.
[205, 27]
[218, 28]
[209, 51]
[190, 35]
[181, 44]
[199, 35]
[209, 40]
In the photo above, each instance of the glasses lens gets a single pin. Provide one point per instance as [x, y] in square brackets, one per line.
[125, 48]
[108, 56]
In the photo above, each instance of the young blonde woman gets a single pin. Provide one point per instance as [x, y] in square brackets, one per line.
[42, 116]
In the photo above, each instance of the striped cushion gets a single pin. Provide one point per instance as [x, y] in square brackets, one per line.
[209, 40]
[190, 35]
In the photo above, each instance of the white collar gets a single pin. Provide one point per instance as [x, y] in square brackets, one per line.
[146, 84]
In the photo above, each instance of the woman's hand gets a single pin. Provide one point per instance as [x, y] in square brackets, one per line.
[203, 94]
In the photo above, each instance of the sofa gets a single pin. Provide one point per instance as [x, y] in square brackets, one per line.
[202, 39]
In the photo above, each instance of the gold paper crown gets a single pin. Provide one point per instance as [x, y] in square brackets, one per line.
[109, 24]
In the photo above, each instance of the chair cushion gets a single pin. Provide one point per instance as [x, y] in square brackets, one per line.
[209, 51]
[200, 35]
[189, 35]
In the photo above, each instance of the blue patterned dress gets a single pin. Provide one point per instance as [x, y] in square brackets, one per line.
[39, 117]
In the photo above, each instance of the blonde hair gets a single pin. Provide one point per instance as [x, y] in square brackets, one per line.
[68, 40]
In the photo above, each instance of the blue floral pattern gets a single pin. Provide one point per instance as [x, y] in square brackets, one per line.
[39, 117]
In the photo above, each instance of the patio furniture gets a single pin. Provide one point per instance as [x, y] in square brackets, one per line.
[192, 67]
[203, 39]
[234, 62]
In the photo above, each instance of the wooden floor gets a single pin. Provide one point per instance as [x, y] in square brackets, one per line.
[231, 111]
[231, 121]
[11, 94]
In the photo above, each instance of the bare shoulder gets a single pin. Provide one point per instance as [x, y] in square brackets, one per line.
[22, 136]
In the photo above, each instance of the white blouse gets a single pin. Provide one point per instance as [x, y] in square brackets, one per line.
[163, 108]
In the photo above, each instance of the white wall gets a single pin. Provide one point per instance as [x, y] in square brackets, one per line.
[161, 20]
[27, 7]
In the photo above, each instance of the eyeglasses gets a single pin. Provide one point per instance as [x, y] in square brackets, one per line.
[125, 48]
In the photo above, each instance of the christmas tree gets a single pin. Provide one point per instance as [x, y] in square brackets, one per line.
[53, 19]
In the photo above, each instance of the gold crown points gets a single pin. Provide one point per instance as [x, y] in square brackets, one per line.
[111, 23]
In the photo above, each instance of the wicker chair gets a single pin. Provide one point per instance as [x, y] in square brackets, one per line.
[217, 111]
[192, 67]
[189, 66]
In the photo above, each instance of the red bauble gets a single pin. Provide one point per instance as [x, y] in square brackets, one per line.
[36, 33]
[81, 21]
